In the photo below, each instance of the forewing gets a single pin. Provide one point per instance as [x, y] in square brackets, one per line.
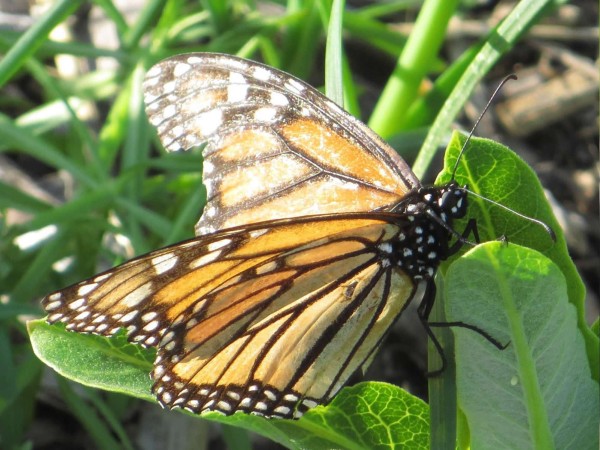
[276, 147]
[146, 294]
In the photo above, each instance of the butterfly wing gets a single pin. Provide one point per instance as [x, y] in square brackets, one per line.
[276, 147]
[268, 320]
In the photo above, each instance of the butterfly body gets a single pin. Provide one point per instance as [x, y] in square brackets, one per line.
[315, 237]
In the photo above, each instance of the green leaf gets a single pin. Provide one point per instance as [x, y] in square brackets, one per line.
[109, 364]
[369, 415]
[538, 392]
[496, 173]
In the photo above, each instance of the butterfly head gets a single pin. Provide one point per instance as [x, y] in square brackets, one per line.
[442, 203]
[451, 201]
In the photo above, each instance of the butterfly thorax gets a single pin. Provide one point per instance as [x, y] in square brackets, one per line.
[424, 242]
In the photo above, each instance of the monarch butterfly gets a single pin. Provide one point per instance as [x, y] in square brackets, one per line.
[315, 237]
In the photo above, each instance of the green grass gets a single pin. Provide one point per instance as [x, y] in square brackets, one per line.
[123, 195]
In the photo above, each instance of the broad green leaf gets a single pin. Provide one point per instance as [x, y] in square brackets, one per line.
[110, 364]
[496, 173]
[538, 392]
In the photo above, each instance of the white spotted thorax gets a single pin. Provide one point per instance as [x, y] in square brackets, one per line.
[314, 238]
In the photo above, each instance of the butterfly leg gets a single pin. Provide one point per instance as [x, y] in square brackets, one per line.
[471, 228]
[424, 310]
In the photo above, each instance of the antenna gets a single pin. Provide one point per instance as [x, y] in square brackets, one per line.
[512, 76]
[545, 226]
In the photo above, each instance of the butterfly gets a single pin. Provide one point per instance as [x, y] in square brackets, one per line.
[315, 237]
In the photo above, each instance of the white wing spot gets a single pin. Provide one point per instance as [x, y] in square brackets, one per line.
[237, 93]
[209, 121]
[198, 306]
[180, 69]
[278, 99]
[194, 60]
[218, 244]
[233, 395]
[258, 233]
[211, 211]
[177, 131]
[266, 268]
[103, 277]
[294, 86]
[86, 289]
[150, 341]
[169, 111]
[207, 167]
[265, 114]
[99, 319]
[82, 316]
[386, 248]
[149, 316]
[138, 295]
[204, 260]
[309, 403]
[55, 296]
[76, 303]
[169, 87]
[164, 263]
[260, 73]
[154, 71]
[53, 305]
[167, 337]
[261, 406]
[237, 89]
[283, 410]
[129, 316]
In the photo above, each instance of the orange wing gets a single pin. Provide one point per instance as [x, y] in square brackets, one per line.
[229, 312]
[276, 148]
